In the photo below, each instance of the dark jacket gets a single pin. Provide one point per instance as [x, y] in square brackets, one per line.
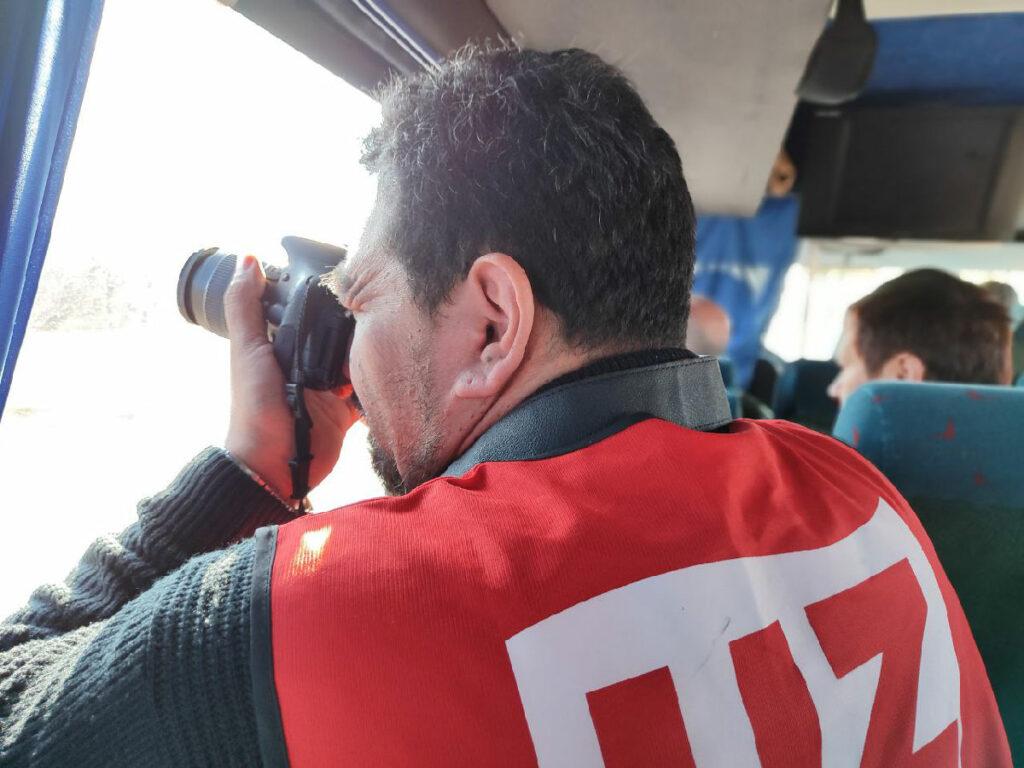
[144, 656]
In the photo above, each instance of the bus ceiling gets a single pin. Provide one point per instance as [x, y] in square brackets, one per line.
[718, 76]
[722, 78]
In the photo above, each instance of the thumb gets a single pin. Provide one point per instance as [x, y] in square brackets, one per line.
[243, 310]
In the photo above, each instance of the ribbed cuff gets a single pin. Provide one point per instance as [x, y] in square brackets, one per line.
[305, 506]
[211, 503]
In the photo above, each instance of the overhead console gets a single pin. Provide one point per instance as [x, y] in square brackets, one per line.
[920, 172]
[720, 77]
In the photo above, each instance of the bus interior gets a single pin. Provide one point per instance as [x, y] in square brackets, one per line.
[829, 147]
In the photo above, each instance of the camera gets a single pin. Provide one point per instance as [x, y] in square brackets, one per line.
[310, 331]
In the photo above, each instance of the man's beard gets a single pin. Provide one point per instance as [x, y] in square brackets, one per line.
[386, 467]
[422, 461]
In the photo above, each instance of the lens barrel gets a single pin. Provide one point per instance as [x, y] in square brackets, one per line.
[309, 330]
[201, 287]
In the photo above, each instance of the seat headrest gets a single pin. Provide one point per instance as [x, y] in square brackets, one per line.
[940, 441]
[801, 394]
[728, 371]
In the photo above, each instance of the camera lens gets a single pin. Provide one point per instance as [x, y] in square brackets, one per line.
[201, 286]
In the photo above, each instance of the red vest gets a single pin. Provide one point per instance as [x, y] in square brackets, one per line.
[662, 597]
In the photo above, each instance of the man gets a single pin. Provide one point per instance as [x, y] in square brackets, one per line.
[707, 328]
[707, 333]
[585, 561]
[1006, 295]
[925, 325]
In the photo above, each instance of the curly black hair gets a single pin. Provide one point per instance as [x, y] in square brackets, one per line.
[554, 159]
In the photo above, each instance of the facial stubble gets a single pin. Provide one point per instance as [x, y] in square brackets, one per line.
[423, 461]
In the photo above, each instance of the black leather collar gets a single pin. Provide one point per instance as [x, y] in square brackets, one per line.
[689, 393]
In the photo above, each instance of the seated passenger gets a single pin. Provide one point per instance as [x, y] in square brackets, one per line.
[1006, 295]
[925, 325]
[584, 560]
[707, 333]
[707, 330]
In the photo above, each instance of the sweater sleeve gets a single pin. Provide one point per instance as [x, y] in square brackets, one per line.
[142, 656]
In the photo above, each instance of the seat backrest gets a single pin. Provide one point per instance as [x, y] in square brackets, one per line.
[762, 383]
[954, 452]
[1017, 348]
[728, 371]
[735, 398]
[801, 394]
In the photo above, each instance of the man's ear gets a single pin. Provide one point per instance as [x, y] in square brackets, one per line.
[499, 306]
[904, 366]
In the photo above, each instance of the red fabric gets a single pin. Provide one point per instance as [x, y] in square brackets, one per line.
[638, 723]
[406, 631]
[889, 607]
[766, 673]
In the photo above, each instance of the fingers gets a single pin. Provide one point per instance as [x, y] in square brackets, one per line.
[243, 311]
[332, 415]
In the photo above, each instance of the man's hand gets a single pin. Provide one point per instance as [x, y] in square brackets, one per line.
[261, 433]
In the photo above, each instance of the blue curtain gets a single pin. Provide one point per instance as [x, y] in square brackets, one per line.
[45, 50]
[741, 264]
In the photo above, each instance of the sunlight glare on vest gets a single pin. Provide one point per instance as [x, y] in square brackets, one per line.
[310, 550]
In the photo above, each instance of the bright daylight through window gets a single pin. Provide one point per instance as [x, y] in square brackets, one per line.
[815, 296]
[198, 128]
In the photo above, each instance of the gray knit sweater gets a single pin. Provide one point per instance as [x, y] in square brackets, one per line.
[142, 656]
[156, 650]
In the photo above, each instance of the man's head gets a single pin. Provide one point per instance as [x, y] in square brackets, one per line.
[925, 325]
[1005, 294]
[708, 327]
[530, 216]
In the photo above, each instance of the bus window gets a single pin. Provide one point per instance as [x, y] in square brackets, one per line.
[830, 276]
[234, 139]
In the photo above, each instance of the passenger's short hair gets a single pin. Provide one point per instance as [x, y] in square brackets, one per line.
[554, 159]
[1004, 293]
[957, 330]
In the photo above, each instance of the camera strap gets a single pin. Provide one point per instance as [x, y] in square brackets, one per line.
[296, 393]
[299, 463]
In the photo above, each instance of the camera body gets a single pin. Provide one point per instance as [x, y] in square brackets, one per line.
[310, 331]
